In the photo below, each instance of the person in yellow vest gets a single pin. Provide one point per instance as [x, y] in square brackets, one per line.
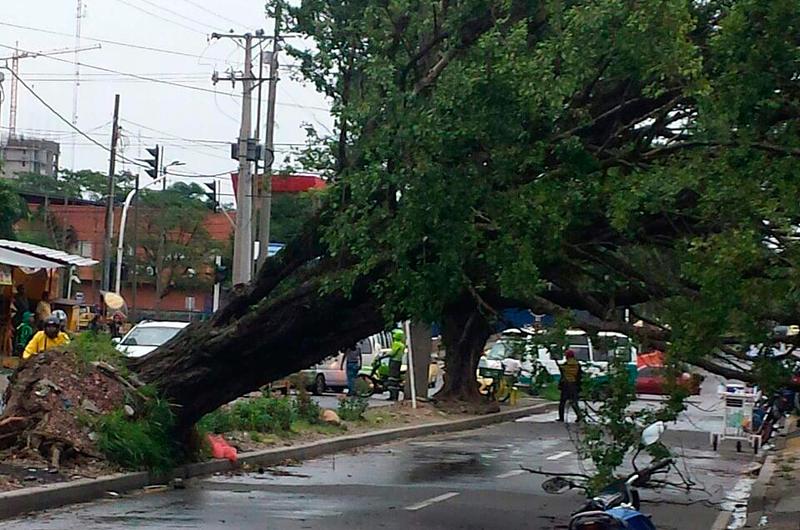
[50, 337]
[570, 384]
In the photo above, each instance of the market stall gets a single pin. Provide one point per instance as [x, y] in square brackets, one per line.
[32, 280]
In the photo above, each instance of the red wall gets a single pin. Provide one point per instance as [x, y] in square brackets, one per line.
[88, 221]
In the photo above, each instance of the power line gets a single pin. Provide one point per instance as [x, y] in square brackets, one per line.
[180, 15]
[105, 41]
[156, 15]
[135, 76]
[166, 82]
[202, 8]
[62, 118]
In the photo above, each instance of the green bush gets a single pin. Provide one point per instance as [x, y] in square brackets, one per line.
[142, 443]
[263, 414]
[307, 409]
[352, 408]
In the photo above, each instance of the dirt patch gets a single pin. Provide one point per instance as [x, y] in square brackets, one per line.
[45, 429]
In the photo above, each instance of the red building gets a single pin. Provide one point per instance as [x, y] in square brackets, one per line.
[85, 223]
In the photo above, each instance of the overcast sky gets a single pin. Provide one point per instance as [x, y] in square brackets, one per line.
[195, 126]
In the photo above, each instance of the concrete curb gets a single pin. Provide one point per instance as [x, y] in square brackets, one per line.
[40, 498]
[758, 493]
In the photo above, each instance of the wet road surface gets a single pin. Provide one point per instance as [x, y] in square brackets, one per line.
[468, 480]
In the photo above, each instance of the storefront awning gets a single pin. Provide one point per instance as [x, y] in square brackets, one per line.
[18, 259]
[47, 254]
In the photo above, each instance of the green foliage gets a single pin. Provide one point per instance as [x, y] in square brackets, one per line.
[352, 408]
[289, 212]
[177, 248]
[146, 442]
[307, 409]
[591, 155]
[83, 184]
[92, 347]
[262, 414]
[12, 209]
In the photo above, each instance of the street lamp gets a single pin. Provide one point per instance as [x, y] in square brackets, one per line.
[124, 218]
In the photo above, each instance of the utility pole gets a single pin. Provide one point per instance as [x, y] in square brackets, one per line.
[107, 243]
[256, 184]
[245, 152]
[266, 186]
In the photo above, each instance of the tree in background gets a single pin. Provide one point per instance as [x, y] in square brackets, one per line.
[12, 209]
[66, 184]
[290, 211]
[176, 249]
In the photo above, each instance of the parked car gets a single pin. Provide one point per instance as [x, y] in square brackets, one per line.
[650, 378]
[330, 374]
[147, 336]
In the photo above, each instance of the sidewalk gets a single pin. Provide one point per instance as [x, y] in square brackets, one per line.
[780, 508]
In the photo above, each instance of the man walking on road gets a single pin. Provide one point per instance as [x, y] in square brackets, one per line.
[352, 360]
[570, 384]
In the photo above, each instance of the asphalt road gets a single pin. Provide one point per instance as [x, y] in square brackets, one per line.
[465, 480]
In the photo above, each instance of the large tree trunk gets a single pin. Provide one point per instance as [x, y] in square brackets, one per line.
[464, 333]
[283, 323]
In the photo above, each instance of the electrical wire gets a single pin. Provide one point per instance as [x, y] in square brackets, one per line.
[179, 15]
[202, 8]
[104, 41]
[156, 15]
[95, 142]
[62, 118]
[135, 76]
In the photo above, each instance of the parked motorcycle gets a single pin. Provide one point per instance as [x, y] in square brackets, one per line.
[617, 506]
[770, 409]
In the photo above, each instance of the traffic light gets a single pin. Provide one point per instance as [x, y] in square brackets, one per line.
[220, 273]
[212, 194]
[153, 162]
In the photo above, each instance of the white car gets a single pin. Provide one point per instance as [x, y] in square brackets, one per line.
[147, 336]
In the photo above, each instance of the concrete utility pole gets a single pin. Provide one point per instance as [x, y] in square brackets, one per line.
[243, 236]
[265, 196]
[107, 243]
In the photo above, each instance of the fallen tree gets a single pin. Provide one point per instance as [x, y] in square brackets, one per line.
[492, 154]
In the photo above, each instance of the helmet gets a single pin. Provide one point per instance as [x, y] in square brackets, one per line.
[398, 335]
[52, 320]
[569, 354]
[60, 315]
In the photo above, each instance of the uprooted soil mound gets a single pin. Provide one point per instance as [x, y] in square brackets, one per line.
[52, 401]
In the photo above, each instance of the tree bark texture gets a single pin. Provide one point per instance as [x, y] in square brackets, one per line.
[261, 336]
[464, 333]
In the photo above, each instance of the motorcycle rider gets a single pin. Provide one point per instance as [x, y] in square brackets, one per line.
[395, 363]
[570, 384]
[49, 338]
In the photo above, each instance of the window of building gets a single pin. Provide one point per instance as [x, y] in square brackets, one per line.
[85, 249]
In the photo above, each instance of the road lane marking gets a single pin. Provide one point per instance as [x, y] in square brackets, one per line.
[509, 474]
[425, 504]
[560, 455]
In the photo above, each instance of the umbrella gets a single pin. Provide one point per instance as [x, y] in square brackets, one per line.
[114, 301]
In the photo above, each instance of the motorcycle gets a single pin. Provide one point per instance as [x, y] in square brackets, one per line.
[769, 411]
[617, 506]
[384, 374]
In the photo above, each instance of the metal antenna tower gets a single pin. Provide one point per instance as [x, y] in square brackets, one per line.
[79, 14]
